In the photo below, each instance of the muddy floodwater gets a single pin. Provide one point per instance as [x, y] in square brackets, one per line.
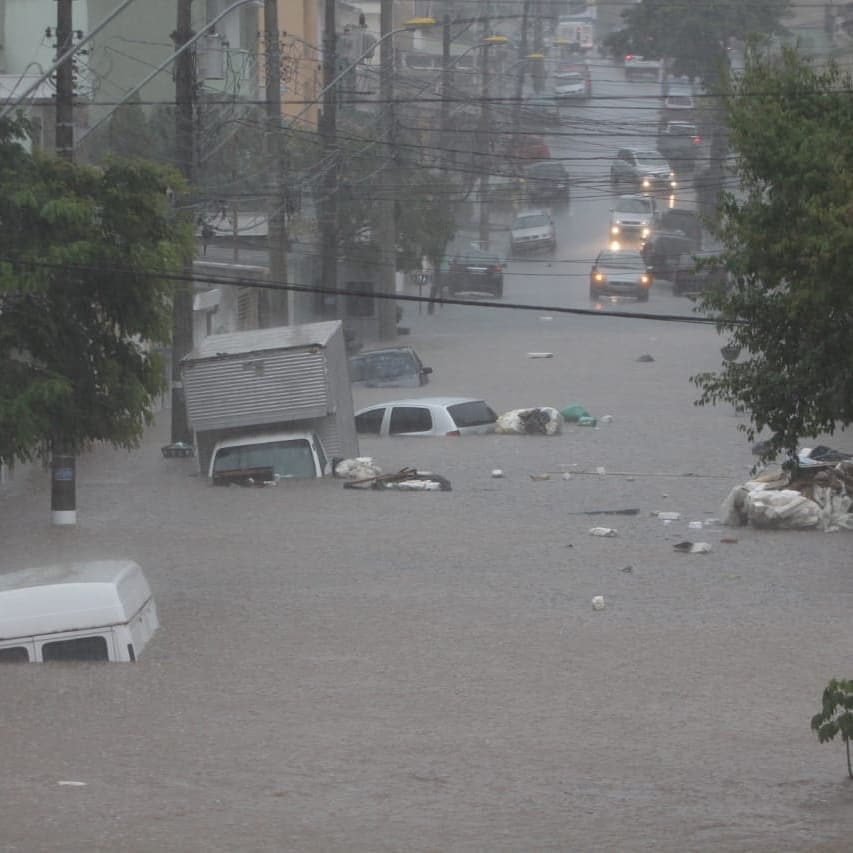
[362, 671]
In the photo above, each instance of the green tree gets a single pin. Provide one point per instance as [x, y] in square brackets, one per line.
[836, 715]
[80, 301]
[694, 36]
[788, 245]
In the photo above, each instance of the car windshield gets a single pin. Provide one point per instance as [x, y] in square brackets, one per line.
[630, 260]
[633, 205]
[473, 413]
[650, 158]
[571, 77]
[382, 366]
[533, 220]
[292, 458]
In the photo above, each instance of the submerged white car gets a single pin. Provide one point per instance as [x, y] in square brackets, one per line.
[425, 416]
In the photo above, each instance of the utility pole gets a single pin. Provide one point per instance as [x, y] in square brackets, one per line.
[182, 304]
[387, 223]
[484, 138]
[63, 478]
[446, 82]
[538, 47]
[64, 83]
[522, 68]
[273, 145]
[328, 133]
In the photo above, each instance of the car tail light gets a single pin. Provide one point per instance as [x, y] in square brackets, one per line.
[453, 432]
[628, 56]
[697, 140]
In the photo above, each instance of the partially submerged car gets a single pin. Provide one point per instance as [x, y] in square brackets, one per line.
[267, 457]
[427, 416]
[620, 273]
[391, 367]
[532, 230]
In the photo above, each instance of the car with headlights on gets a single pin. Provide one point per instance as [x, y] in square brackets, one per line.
[632, 219]
[648, 171]
[532, 230]
[620, 273]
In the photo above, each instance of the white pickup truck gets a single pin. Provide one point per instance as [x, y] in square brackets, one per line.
[638, 67]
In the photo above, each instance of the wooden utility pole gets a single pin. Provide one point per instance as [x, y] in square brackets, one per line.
[277, 213]
[387, 235]
[328, 133]
[182, 304]
[63, 478]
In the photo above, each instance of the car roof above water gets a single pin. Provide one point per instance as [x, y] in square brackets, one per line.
[425, 401]
[70, 596]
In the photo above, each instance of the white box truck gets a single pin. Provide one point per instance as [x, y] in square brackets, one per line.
[267, 404]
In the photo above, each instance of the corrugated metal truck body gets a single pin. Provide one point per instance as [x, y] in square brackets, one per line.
[282, 378]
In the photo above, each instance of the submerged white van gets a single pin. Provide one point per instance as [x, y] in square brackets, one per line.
[95, 611]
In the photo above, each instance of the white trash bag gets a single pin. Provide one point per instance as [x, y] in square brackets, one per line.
[783, 509]
[542, 420]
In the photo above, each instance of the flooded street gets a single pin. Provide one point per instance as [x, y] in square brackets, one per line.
[344, 670]
[361, 671]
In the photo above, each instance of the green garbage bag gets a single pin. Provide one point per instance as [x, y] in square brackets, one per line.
[572, 414]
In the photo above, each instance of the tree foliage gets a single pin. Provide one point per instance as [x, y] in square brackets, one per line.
[695, 36]
[836, 715]
[788, 244]
[79, 306]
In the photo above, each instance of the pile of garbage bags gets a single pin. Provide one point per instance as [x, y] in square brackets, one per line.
[537, 421]
[816, 491]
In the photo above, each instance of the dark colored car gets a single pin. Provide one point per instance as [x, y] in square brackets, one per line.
[470, 268]
[547, 181]
[678, 232]
[694, 274]
[393, 367]
[679, 142]
[620, 273]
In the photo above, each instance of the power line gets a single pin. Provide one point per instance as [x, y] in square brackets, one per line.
[305, 288]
